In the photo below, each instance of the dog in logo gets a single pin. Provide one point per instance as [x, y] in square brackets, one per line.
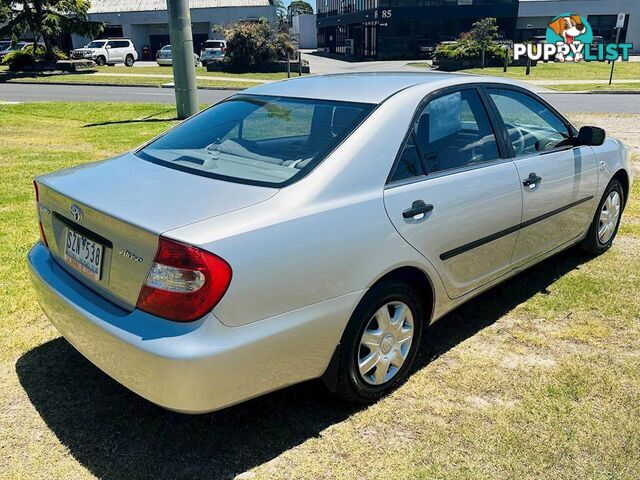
[569, 28]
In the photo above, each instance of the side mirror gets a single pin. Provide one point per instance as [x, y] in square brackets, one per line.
[108, 46]
[593, 136]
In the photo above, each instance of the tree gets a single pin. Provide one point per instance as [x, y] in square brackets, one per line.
[46, 19]
[299, 7]
[484, 32]
[255, 44]
[281, 12]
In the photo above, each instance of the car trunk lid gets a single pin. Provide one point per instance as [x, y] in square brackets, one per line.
[124, 205]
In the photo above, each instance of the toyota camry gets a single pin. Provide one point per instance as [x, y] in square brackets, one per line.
[314, 228]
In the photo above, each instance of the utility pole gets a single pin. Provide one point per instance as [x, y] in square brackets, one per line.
[184, 72]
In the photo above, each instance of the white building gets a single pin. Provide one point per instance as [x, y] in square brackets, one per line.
[534, 16]
[304, 31]
[145, 22]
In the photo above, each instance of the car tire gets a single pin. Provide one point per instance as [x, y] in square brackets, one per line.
[101, 61]
[128, 61]
[606, 221]
[354, 386]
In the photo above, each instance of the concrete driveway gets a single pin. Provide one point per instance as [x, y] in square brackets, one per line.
[322, 65]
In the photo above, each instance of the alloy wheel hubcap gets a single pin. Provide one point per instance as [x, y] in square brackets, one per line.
[609, 214]
[385, 343]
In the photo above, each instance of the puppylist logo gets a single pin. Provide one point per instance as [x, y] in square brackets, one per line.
[570, 38]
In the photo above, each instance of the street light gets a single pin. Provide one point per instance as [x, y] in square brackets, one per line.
[184, 73]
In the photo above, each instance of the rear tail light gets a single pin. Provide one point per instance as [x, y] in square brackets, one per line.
[184, 283]
[42, 235]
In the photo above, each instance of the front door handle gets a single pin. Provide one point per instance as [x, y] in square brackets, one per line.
[532, 181]
[417, 208]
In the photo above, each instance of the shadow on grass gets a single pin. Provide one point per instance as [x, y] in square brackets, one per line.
[116, 434]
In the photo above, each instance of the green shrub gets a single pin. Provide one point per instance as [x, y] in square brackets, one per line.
[21, 59]
[59, 54]
[253, 44]
[466, 48]
[26, 57]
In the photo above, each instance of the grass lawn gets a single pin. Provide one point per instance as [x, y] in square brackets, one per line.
[200, 71]
[596, 87]
[85, 79]
[566, 71]
[222, 79]
[537, 379]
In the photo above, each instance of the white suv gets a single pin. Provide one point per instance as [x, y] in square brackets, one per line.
[212, 51]
[108, 51]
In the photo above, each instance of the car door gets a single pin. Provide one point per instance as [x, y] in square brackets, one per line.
[558, 179]
[453, 194]
[114, 52]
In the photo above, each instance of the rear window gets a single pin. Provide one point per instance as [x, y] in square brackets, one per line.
[260, 140]
[209, 44]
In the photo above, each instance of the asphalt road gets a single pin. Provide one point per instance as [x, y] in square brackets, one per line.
[565, 102]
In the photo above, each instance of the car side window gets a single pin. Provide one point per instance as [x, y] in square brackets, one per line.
[532, 127]
[454, 131]
[409, 164]
[111, 44]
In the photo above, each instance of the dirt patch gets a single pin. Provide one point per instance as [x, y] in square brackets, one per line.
[514, 361]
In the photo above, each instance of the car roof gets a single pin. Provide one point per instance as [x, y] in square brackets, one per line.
[370, 87]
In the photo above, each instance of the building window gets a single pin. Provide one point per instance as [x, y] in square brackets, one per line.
[605, 27]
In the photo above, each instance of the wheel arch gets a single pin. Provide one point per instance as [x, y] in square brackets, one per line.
[416, 278]
[623, 177]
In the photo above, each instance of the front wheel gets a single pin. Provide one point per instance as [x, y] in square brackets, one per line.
[606, 221]
[128, 61]
[380, 343]
[101, 61]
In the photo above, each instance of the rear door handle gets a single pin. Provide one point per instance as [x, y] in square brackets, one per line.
[417, 208]
[532, 181]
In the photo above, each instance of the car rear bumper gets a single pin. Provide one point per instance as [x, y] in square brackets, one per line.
[192, 367]
[164, 61]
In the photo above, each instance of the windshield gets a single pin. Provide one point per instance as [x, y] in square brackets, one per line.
[96, 45]
[259, 140]
[4, 45]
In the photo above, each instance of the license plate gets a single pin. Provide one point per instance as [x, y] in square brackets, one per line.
[83, 254]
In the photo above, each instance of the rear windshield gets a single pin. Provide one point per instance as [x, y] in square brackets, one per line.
[260, 140]
[209, 44]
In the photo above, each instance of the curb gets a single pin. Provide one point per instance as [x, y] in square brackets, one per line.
[105, 84]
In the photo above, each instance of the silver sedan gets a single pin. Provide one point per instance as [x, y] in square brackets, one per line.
[314, 228]
[164, 57]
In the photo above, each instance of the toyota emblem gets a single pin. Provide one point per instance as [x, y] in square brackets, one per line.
[76, 213]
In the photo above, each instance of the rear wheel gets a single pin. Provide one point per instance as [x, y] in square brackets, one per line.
[128, 61]
[380, 343]
[606, 221]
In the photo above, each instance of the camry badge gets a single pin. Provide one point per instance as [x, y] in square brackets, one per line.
[130, 255]
[76, 213]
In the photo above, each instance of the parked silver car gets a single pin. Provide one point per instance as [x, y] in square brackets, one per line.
[165, 58]
[313, 228]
